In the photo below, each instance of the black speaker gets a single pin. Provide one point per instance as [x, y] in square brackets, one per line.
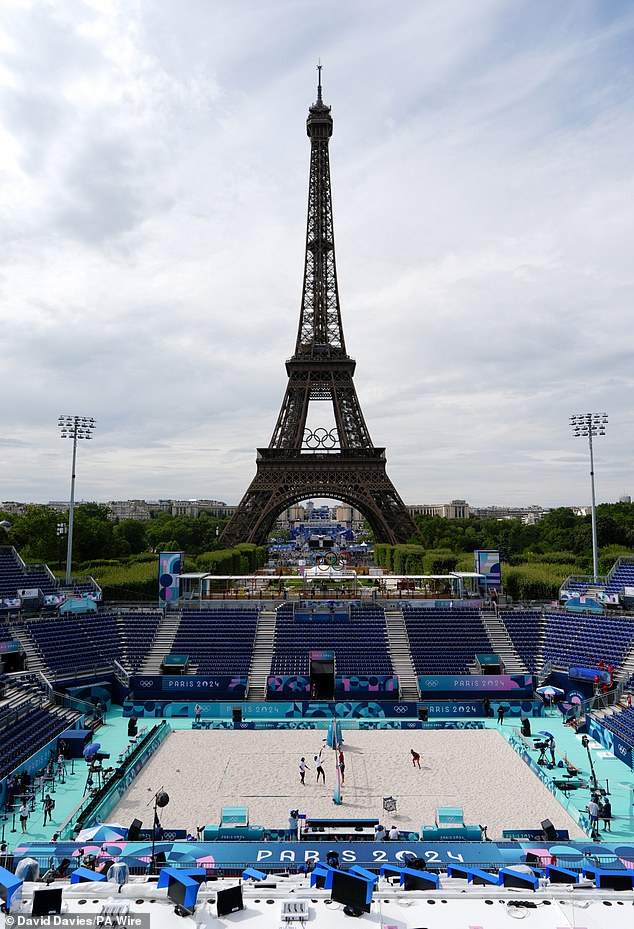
[132, 726]
[133, 830]
[237, 714]
[549, 830]
[526, 726]
[423, 713]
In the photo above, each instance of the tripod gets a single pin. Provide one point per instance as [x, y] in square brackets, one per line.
[160, 800]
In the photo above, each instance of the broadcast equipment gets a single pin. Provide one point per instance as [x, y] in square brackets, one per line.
[229, 900]
[542, 746]
[354, 892]
[47, 902]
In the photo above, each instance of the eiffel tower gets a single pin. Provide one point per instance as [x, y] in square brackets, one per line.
[340, 462]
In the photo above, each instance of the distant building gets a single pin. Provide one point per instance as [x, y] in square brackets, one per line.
[315, 516]
[527, 514]
[456, 509]
[195, 507]
[9, 506]
[130, 509]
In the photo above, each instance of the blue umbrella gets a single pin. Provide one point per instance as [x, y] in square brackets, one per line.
[91, 749]
[549, 691]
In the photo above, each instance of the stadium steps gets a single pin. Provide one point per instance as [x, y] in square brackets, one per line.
[263, 646]
[161, 644]
[401, 655]
[501, 643]
[625, 671]
[34, 660]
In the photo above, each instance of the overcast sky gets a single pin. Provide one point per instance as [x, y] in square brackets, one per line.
[153, 187]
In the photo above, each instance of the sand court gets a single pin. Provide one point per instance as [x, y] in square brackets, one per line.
[204, 770]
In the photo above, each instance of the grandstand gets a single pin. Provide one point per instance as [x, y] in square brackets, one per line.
[15, 575]
[29, 720]
[217, 642]
[444, 641]
[97, 640]
[441, 637]
[252, 665]
[359, 640]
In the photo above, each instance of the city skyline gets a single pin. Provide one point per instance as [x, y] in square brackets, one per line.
[154, 178]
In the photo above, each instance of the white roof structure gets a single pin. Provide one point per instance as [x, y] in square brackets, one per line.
[457, 905]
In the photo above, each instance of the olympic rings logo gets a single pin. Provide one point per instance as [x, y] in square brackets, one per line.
[320, 438]
[331, 560]
[400, 709]
[145, 683]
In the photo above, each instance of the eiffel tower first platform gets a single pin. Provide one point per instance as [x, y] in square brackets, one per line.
[339, 463]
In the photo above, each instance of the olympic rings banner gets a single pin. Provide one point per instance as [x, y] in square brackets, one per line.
[327, 560]
[513, 684]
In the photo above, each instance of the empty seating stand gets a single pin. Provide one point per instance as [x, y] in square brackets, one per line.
[584, 639]
[27, 724]
[524, 627]
[622, 575]
[15, 575]
[91, 642]
[217, 641]
[442, 640]
[70, 644]
[359, 644]
[622, 724]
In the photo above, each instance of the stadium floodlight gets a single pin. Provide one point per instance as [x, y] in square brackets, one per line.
[589, 425]
[75, 428]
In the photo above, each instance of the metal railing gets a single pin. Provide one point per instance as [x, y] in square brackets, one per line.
[544, 672]
[603, 701]
[120, 673]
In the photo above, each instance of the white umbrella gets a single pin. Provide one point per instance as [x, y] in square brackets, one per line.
[102, 832]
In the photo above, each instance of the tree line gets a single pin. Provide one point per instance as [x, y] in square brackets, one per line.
[40, 534]
[560, 536]
[536, 558]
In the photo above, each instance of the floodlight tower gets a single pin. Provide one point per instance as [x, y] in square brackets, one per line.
[75, 428]
[589, 425]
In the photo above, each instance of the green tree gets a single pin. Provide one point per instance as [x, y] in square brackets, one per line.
[34, 534]
[93, 533]
[129, 535]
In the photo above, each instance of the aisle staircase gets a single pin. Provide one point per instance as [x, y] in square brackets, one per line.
[401, 656]
[625, 671]
[262, 657]
[162, 643]
[501, 643]
[34, 660]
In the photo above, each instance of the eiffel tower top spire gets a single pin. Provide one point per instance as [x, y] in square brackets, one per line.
[320, 333]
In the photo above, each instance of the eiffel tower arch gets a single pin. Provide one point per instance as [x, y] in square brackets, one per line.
[337, 461]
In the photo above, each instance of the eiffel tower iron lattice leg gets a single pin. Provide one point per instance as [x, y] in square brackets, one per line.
[339, 463]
